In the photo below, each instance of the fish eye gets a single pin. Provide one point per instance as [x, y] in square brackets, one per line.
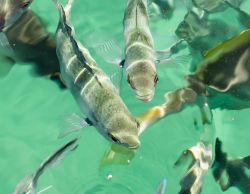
[25, 4]
[156, 79]
[113, 138]
[130, 83]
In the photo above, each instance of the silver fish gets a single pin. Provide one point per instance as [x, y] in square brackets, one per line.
[11, 10]
[201, 162]
[28, 184]
[139, 50]
[161, 187]
[92, 88]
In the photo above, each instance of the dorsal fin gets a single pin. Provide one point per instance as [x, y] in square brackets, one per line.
[66, 28]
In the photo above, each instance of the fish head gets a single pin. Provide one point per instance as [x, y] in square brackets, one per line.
[143, 79]
[124, 130]
[11, 10]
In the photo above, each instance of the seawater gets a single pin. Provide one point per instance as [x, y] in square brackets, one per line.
[32, 110]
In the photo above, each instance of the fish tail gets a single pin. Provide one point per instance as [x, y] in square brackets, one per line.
[64, 12]
[68, 7]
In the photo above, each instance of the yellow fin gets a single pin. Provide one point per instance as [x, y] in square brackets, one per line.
[229, 44]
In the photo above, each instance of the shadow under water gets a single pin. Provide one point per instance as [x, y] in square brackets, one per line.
[28, 42]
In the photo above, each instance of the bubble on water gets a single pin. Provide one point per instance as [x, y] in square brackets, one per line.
[109, 176]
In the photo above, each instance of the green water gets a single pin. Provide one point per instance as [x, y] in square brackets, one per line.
[32, 110]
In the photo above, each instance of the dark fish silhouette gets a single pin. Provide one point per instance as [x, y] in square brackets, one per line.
[29, 42]
[231, 172]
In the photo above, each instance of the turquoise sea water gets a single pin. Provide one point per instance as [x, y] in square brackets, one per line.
[32, 110]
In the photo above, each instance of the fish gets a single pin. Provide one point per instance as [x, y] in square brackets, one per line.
[11, 11]
[92, 89]
[216, 5]
[140, 56]
[161, 188]
[229, 172]
[175, 102]
[225, 72]
[201, 156]
[29, 183]
[28, 41]
[163, 8]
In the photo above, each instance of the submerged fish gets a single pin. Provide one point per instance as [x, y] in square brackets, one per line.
[28, 184]
[93, 90]
[231, 172]
[225, 71]
[31, 43]
[161, 187]
[201, 156]
[139, 50]
[11, 10]
[216, 5]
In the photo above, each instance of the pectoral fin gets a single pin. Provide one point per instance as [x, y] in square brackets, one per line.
[74, 123]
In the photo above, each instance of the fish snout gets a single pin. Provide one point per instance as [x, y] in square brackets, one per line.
[134, 142]
[145, 95]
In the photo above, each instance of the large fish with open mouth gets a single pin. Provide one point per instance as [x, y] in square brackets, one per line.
[92, 88]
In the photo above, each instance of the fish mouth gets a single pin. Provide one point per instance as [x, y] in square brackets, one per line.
[145, 98]
[134, 147]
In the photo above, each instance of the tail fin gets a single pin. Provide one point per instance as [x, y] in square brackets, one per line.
[64, 10]
[28, 184]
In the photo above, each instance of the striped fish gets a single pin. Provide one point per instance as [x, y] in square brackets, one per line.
[92, 88]
[140, 55]
[11, 10]
[28, 184]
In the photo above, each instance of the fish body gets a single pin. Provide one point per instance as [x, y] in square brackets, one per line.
[191, 182]
[29, 42]
[11, 10]
[28, 184]
[93, 90]
[140, 55]
[225, 70]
